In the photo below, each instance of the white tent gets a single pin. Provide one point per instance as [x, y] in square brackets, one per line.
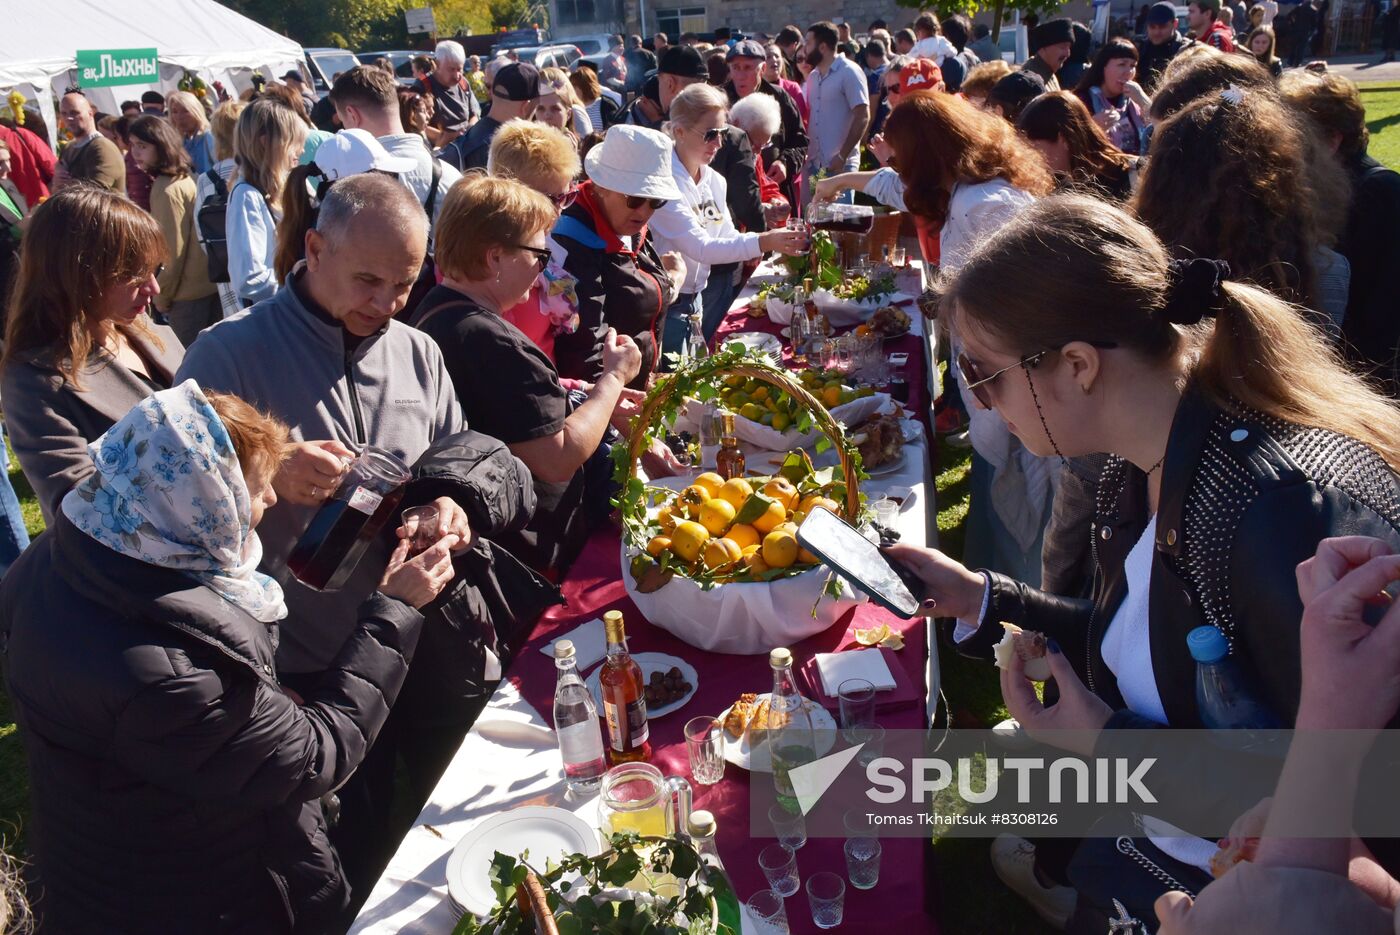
[38, 49]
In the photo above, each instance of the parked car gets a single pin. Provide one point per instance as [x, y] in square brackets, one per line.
[550, 56]
[593, 44]
[325, 64]
[402, 59]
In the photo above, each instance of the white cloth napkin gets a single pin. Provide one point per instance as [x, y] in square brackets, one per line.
[590, 643]
[868, 664]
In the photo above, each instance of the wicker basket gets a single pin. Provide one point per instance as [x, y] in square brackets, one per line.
[747, 617]
[779, 380]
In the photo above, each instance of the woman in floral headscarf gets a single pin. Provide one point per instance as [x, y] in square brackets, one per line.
[175, 785]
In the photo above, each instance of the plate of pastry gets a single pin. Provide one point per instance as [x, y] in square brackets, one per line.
[751, 711]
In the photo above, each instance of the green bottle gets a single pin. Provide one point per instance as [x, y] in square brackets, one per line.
[702, 828]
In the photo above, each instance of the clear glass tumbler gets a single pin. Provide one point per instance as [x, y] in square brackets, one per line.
[704, 747]
[790, 827]
[779, 865]
[826, 894]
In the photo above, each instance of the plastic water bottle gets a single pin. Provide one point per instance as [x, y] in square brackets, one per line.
[1223, 694]
[576, 723]
[792, 741]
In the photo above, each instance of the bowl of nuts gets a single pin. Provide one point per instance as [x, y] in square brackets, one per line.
[669, 682]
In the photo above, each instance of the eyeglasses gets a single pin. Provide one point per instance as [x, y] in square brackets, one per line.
[713, 134]
[564, 199]
[542, 256]
[138, 281]
[980, 386]
[636, 201]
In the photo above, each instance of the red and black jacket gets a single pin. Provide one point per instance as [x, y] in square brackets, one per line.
[617, 288]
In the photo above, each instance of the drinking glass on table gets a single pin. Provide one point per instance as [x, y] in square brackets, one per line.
[886, 513]
[899, 257]
[779, 865]
[863, 862]
[704, 747]
[767, 913]
[856, 698]
[790, 827]
[826, 894]
[420, 525]
[873, 738]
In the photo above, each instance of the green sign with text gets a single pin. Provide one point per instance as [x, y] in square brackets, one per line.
[105, 68]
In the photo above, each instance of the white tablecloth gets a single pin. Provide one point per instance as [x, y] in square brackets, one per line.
[510, 758]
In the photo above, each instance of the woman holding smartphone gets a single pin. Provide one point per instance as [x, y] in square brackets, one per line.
[1238, 441]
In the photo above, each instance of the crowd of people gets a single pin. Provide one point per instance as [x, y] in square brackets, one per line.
[1162, 273]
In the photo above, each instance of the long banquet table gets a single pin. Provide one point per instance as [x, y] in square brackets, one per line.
[510, 757]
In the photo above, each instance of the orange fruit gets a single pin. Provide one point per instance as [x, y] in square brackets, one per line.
[692, 498]
[781, 489]
[816, 499]
[779, 549]
[666, 517]
[711, 481]
[754, 559]
[657, 545]
[770, 519]
[807, 558]
[720, 552]
[688, 539]
[743, 534]
[736, 490]
[716, 515]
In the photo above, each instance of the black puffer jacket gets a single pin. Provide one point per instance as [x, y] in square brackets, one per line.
[174, 785]
[1244, 499]
[495, 599]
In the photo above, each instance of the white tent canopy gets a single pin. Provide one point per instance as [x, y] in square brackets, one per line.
[38, 49]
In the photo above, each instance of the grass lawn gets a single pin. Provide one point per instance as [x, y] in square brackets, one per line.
[1382, 100]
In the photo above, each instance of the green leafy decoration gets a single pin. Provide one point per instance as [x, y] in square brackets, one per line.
[632, 860]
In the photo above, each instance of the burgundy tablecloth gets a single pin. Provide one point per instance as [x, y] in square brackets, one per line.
[901, 901]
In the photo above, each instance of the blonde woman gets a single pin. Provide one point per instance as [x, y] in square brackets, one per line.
[559, 106]
[223, 125]
[187, 116]
[697, 225]
[545, 159]
[267, 144]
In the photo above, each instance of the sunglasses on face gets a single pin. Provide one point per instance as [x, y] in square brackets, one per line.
[636, 201]
[981, 386]
[140, 281]
[564, 199]
[542, 256]
[713, 134]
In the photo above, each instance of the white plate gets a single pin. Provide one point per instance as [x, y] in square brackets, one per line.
[759, 761]
[757, 340]
[889, 467]
[652, 662]
[544, 831]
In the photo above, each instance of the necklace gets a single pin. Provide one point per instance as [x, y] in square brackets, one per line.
[1157, 465]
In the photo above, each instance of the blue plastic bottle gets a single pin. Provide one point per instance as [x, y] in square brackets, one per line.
[1223, 695]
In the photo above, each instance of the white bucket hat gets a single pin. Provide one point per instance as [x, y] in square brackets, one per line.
[353, 152]
[634, 161]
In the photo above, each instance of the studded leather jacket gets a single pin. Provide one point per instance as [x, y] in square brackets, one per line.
[1244, 499]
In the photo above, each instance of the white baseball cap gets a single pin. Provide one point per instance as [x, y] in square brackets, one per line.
[353, 152]
[634, 161]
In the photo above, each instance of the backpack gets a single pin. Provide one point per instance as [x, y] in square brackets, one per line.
[210, 218]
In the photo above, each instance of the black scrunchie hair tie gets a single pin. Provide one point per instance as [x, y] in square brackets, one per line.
[1194, 290]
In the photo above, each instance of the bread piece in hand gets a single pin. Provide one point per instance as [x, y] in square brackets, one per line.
[1029, 645]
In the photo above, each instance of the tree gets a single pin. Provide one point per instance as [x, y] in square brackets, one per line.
[1001, 9]
[360, 24]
